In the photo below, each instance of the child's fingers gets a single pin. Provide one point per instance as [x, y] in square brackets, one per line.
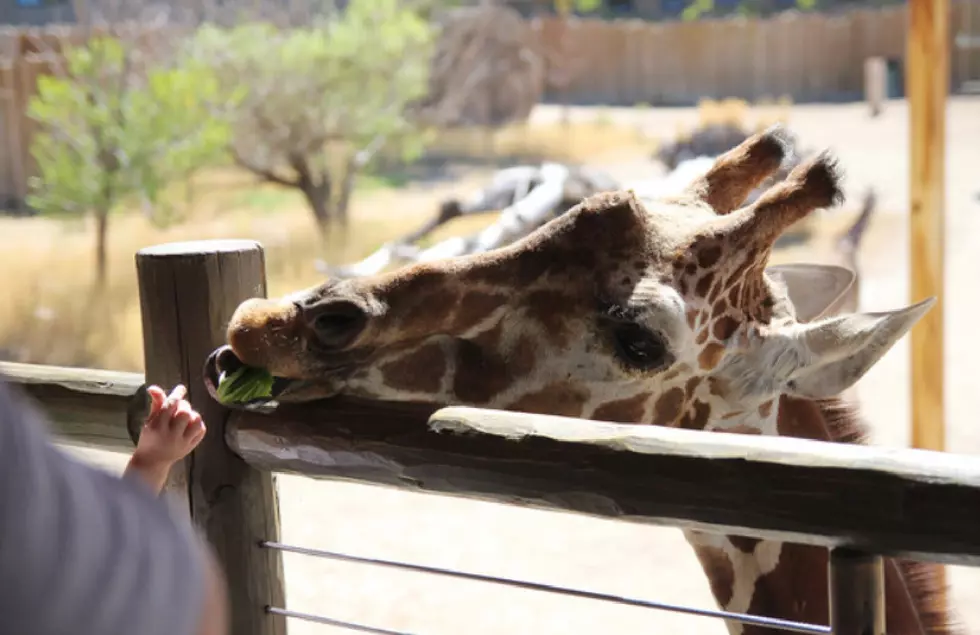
[178, 393]
[181, 417]
[195, 429]
[165, 416]
[157, 400]
[157, 397]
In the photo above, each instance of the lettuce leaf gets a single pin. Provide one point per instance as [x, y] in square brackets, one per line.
[244, 385]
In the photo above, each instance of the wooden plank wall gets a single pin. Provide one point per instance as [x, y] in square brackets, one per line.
[807, 57]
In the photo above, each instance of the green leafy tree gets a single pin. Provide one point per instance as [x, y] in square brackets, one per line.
[113, 130]
[320, 102]
[697, 9]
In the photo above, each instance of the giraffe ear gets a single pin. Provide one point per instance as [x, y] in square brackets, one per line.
[833, 354]
[815, 290]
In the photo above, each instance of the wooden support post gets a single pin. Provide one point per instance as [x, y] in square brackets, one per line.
[927, 82]
[875, 84]
[857, 593]
[188, 292]
[927, 85]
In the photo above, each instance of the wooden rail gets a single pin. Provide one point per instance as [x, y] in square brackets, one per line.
[896, 502]
[100, 408]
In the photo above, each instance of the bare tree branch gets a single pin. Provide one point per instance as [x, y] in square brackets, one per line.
[264, 173]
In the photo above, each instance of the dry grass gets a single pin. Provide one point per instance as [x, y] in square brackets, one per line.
[51, 316]
[582, 142]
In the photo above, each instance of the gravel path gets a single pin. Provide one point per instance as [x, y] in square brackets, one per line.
[639, 561]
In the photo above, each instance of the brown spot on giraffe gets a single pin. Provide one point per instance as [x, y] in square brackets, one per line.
[735, 294]
[709, 256]
[765, 409]
[474, 307]
[721, 574]
[703, 286]
[724, 327]
[668, 407]
[480, 375]
[710, 355]
[550, 308]
[692, 318]
[697, 417]
[744, 543]
[690, 386]
[717, 386]
[557, 399]
[776, 591]
[402, 373]
[627, 410]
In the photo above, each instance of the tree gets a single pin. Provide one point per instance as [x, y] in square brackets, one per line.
[697, 9]
[113, 129]
[319, 102]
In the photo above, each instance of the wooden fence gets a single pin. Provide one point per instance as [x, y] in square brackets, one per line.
[805, 56]
[861, 502]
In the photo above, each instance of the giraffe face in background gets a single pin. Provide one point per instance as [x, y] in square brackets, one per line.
[621, 309]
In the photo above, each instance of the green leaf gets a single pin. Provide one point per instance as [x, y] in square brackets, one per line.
[244, 385]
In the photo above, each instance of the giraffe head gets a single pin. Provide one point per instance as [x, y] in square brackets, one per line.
[623, 309]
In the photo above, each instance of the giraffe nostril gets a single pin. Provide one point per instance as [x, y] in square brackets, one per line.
[337, 323]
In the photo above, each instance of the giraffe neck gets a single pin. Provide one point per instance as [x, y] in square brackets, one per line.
[790, 581]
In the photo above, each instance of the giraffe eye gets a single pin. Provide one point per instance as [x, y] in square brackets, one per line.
[641, 348]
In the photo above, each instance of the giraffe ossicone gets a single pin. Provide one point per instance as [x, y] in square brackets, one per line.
[623, 309]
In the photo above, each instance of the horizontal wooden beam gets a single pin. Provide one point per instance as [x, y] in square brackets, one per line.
[85, 406]
[897, 502]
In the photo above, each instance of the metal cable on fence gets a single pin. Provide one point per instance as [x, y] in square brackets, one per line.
[319, 619]
[754, 620]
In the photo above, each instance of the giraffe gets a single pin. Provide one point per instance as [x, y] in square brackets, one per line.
[659, 312]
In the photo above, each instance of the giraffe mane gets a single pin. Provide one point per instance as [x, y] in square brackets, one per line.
[923, 580]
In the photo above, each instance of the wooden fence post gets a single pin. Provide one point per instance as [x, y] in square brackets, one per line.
[188, 292]
[928, 85]
[875, 84]
[857, 593]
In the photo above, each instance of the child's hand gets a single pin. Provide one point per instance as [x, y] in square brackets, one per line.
[172, 430]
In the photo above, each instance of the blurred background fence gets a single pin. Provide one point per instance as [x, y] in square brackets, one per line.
[803, 57]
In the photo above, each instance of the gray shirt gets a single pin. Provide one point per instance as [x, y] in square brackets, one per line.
[81, 551]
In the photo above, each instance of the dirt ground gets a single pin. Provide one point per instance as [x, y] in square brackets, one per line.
[633, 560]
